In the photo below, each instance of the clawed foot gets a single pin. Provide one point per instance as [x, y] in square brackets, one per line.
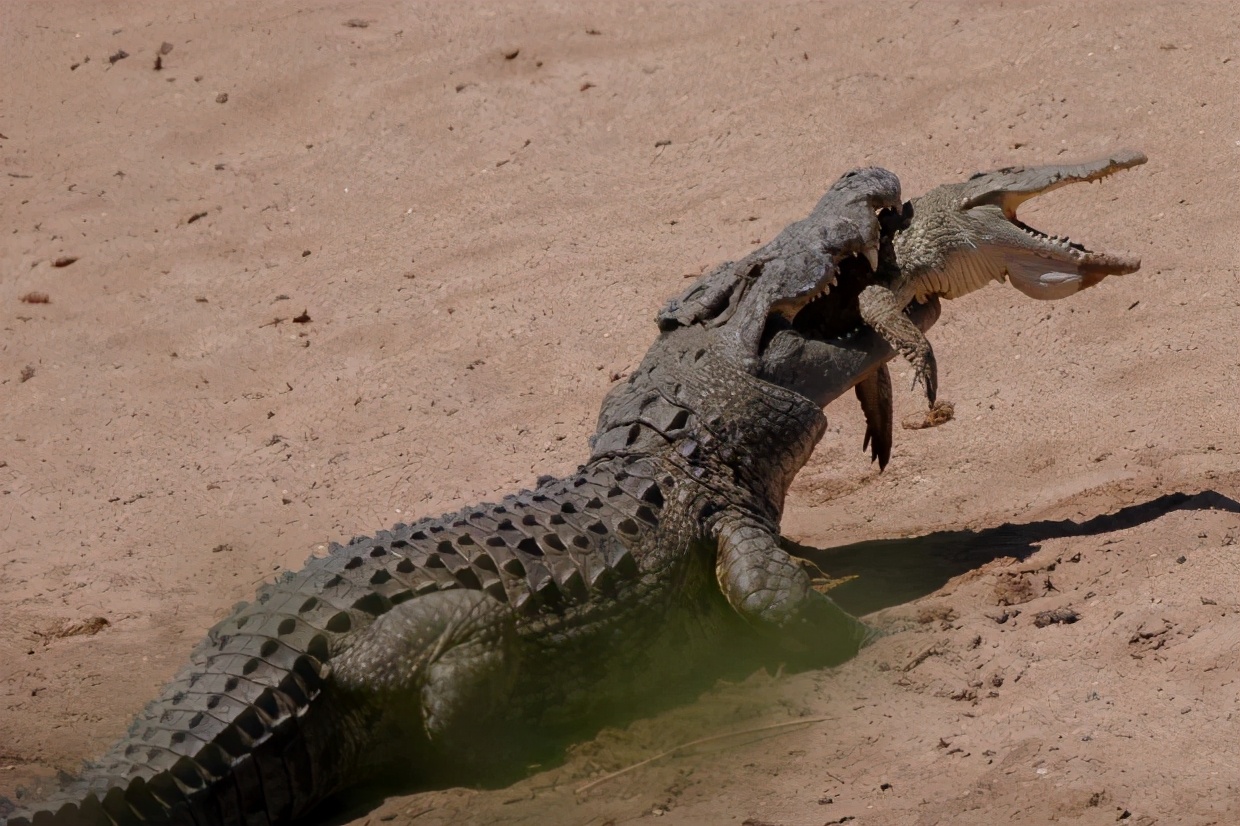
[926, 373]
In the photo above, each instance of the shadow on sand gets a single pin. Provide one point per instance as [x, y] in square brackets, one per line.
[894, 571]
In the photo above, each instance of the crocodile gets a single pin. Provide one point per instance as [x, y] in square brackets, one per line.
[959, 237]
[554, 605]
[572, 601]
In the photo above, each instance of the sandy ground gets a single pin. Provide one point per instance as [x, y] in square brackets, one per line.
[328, 276]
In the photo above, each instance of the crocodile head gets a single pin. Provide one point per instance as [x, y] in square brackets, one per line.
[961, 236]
[787, 313]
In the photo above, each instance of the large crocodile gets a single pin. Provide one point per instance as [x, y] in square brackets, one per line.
[556, 604]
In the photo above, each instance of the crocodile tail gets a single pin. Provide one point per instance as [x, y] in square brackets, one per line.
[246, 734]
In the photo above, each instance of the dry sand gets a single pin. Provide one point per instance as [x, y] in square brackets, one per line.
[475, 243]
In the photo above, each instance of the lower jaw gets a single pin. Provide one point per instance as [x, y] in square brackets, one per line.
[1100, 265]
[823, 369]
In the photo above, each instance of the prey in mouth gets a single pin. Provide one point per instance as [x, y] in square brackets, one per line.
[963, 235]
[957, 238]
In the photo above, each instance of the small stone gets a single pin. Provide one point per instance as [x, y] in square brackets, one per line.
[1059, 616]
[222, 97]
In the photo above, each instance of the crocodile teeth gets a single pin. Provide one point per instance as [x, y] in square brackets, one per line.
[871, 255]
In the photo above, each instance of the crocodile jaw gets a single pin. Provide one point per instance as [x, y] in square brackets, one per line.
[962, 236]
[1012, 186]
[1051, 267]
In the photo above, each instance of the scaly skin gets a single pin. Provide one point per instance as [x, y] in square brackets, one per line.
[960, 237]
[555, 605]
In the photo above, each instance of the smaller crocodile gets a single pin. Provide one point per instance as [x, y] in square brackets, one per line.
[956, 239]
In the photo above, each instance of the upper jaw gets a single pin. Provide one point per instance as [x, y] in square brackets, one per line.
[789, 308]
[1010, 187]
[803, 264]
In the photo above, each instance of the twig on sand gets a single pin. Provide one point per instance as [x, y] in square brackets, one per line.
[700, 741]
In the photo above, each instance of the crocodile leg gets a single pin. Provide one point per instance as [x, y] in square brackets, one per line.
[874, 393]
[771, 590]
[882, 310]
[450, 652]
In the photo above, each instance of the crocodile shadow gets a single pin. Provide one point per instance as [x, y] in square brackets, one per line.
[891, 572]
